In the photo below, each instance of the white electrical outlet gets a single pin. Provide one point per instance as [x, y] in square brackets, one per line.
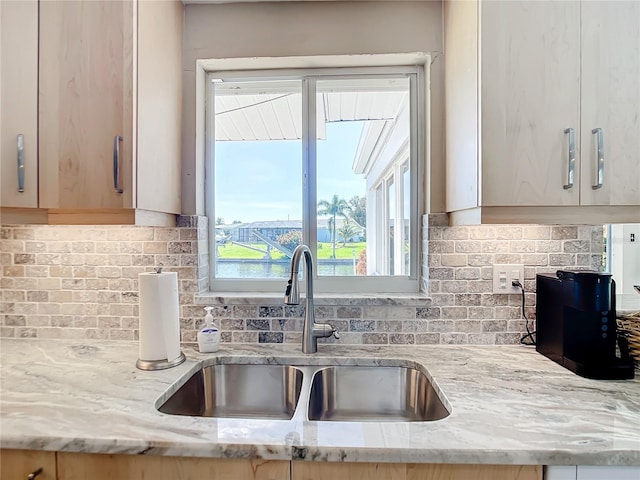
[503, 275]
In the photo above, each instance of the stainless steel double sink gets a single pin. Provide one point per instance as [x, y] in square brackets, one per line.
[362, 393]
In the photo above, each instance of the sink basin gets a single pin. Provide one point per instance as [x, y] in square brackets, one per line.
[376, 394]
[362, 393]
[238, 390]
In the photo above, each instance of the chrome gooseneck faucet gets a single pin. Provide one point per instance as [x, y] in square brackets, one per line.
[311, 330]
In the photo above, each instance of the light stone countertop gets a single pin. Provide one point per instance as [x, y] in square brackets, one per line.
[509, 405]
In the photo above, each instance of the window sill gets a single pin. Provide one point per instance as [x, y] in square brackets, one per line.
[320, 299]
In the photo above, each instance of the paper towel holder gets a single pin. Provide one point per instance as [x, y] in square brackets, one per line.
[159, 364]
[162, 363]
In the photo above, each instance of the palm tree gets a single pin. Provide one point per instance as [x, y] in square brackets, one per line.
[335, 207]
[347, 231]
[357, 211]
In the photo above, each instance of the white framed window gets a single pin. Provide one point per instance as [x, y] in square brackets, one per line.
[324, 157]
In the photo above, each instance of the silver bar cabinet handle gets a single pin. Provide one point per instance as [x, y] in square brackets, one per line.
[600, 171]
[572, 158]
[116, 163]
[20, 162]
[34, 474]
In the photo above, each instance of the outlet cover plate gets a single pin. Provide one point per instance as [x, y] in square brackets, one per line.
[503, 275]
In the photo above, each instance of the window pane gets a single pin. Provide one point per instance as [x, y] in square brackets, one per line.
[406, 213]
[363, 132]
[377, 263]
[391, 210]
[258, 171]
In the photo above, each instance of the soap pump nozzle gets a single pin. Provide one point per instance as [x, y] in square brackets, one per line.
[208, 318]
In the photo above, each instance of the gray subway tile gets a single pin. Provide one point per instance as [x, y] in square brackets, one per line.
[375, 338]
[428, 312]
[401, 339]
[270, 337]
[564, 232]
[258, 324]
[349, 312]
[271, 311]
[427, 338]
[362, 325]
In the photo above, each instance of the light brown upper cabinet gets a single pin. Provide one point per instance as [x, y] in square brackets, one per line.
[19, 103]
[542, 111]
[109, 107]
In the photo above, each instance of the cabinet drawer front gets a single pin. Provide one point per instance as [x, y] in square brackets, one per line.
[403, 471]
[82, 466]
[18, 464]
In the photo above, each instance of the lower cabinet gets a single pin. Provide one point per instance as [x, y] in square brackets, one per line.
[20, 464]
[79, 466]
[583, 472]
[411, 471]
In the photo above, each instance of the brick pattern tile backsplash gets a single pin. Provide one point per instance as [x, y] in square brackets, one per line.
[82, 282]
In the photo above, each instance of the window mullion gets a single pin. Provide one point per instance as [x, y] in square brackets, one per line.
[417, 169]
[209, 175]
[309, 170]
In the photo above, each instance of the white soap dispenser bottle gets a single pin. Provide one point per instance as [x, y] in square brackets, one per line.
[209, 335]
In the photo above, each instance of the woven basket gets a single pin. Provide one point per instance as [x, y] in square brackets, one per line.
[629, 326]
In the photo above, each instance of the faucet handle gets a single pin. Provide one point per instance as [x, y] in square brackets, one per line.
[324, 330]
[336, 335]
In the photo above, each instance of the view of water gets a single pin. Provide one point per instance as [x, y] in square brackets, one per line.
[273, 269]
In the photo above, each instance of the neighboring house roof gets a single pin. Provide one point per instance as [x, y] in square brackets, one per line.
[273, 224]
[292, 224]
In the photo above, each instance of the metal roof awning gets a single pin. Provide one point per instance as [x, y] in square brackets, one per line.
[272, 110]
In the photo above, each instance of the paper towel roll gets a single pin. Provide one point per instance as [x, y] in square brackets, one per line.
[159, 316]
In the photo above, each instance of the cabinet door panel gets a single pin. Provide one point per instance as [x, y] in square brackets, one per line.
[611, 101]
[348, 471]
[79, 466]
[85, 100]
[609, 473]
[461, 80]
[158, 166]
[530, 85]
[19, 464]
[559, 472]
[18, 100]
[403, 471]
[475, 472]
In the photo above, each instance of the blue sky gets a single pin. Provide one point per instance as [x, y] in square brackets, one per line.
[262, 180]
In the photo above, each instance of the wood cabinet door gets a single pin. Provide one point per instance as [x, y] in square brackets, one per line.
[85, 101]
[530, 94]
[401, 471]
[18, 464]
[19, 102]
[159, 103]
[611, 102]
[82, 466]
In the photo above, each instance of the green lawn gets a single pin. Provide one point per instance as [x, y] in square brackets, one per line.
[324, 251]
